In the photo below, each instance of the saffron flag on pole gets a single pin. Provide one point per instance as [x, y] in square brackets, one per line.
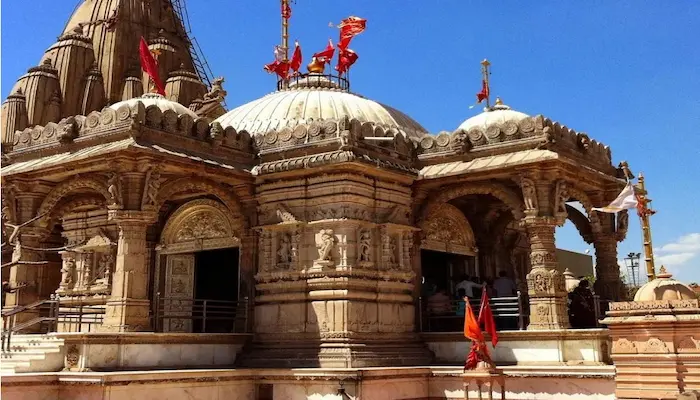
[349, 28]
[346, 58]
[295, 64]
[484, 93]
[326, 55]
[627, 199]
[150, 66]
[286, 10]
[486, 318]
[472, 331]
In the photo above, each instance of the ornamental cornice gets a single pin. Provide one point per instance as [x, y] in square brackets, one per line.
[328, 158]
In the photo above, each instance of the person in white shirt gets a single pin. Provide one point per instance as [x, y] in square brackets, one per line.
[468, 285]
[504, 286]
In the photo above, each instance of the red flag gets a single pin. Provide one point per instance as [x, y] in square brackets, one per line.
[295, 64]
[150, 66]
[349, 28]
[472, 358]
[286, 10]
[472, 331]
[346, 58]
[486, 318]
[481, 96]
[281, 68]
[326, 55]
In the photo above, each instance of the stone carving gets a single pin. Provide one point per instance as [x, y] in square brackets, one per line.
[284, 251]
[87, 269]
[654, 346]
[105, 268]
[114, 189]
[67, 273]
[151, 188]
[624, 346]
[398, 215]
[73, 185]
[502, 193]
[202, 225]
[9, 204]
[284, 214]
[325, 245]
[217, 90]
[340, 212]
[561, 196]
[529, 195]
[72, 357]
[365, 246]
[296, 243]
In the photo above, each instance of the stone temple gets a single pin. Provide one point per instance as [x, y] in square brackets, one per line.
[164, 247]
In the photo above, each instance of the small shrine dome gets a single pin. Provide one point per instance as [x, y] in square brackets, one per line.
[498, 114]
[664, 288]
[315, 97]
[149, 99]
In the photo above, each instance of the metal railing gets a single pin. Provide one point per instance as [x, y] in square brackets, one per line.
[509, 314]
[48, 314]
[172, 314]
[314, 80]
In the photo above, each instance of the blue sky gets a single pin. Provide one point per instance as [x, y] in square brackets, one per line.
[625, 72]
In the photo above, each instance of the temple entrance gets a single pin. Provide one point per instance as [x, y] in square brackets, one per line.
[198, 270]
[444, 270]
[215, 290]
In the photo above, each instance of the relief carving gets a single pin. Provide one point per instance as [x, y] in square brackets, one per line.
[365, 246]
[624, 346]
[67, 273]
[284, 214]
[654, 346]
[200, 226]
[325, 245]
[114, 188]
[296, 243]
[284, 251]
[561, 196]
[151, 188]
[623, 219]
[530, 196]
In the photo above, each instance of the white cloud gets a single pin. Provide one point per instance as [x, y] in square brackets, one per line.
[680, 252]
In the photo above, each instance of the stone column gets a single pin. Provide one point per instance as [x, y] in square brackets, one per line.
[608, 284]
[545, 283]
[128, 307]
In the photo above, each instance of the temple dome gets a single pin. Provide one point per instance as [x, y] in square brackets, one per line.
[313, 98]
[664, 288]
[158, 100]
[498, 114]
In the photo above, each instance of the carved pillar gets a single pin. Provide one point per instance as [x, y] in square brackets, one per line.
[128, 306]
[545, 283]
[248, 249]
[608, 284]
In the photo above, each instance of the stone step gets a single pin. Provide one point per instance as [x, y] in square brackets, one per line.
[32, 353]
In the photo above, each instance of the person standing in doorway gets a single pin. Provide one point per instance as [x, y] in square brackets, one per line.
[504, 286]
[468, 285]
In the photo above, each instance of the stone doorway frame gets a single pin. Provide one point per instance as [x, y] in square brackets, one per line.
[198, 225]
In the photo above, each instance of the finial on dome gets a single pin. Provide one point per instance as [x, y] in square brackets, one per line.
[663, 274]
[316, 66]
[499, 102]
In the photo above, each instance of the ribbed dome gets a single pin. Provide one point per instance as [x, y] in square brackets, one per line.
[154, 98]
[498, 114]
[312, 100]
[664, 288]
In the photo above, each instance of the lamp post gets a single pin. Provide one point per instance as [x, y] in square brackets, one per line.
[632, 264]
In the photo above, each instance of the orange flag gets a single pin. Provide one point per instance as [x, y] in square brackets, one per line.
[472, 331]
[486, 317]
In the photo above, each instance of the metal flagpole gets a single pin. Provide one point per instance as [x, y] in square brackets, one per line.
[485, 72]
[285, 29]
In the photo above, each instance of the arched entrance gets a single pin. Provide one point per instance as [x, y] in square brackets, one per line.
[448, 247]
[198, 269]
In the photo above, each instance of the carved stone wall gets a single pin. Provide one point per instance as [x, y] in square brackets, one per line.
[446, 229]
[335, 267]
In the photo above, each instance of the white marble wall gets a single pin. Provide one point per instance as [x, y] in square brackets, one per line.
[134, 356]
[526, 351]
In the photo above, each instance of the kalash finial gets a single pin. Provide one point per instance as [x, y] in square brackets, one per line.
[316, 66]
[499, 102]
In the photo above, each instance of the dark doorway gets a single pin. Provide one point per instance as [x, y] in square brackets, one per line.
[443, 270]
[216, 286]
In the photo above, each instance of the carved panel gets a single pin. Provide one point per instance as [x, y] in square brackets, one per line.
[179, 291]
[447, 229]
[206, 224]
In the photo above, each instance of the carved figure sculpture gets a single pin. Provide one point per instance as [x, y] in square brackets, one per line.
[114, 189]
[326, 245]
[152, 188]
[529, 194]
[87, 269]
[105, 266]
[217, 90]
[562, 196]
[284, 252]
[67, 273]
[392, 250]
[365, 253]
[623, 219]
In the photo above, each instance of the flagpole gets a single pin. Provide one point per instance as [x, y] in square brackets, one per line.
[485, 72]
[644, 214]
[285, 30]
